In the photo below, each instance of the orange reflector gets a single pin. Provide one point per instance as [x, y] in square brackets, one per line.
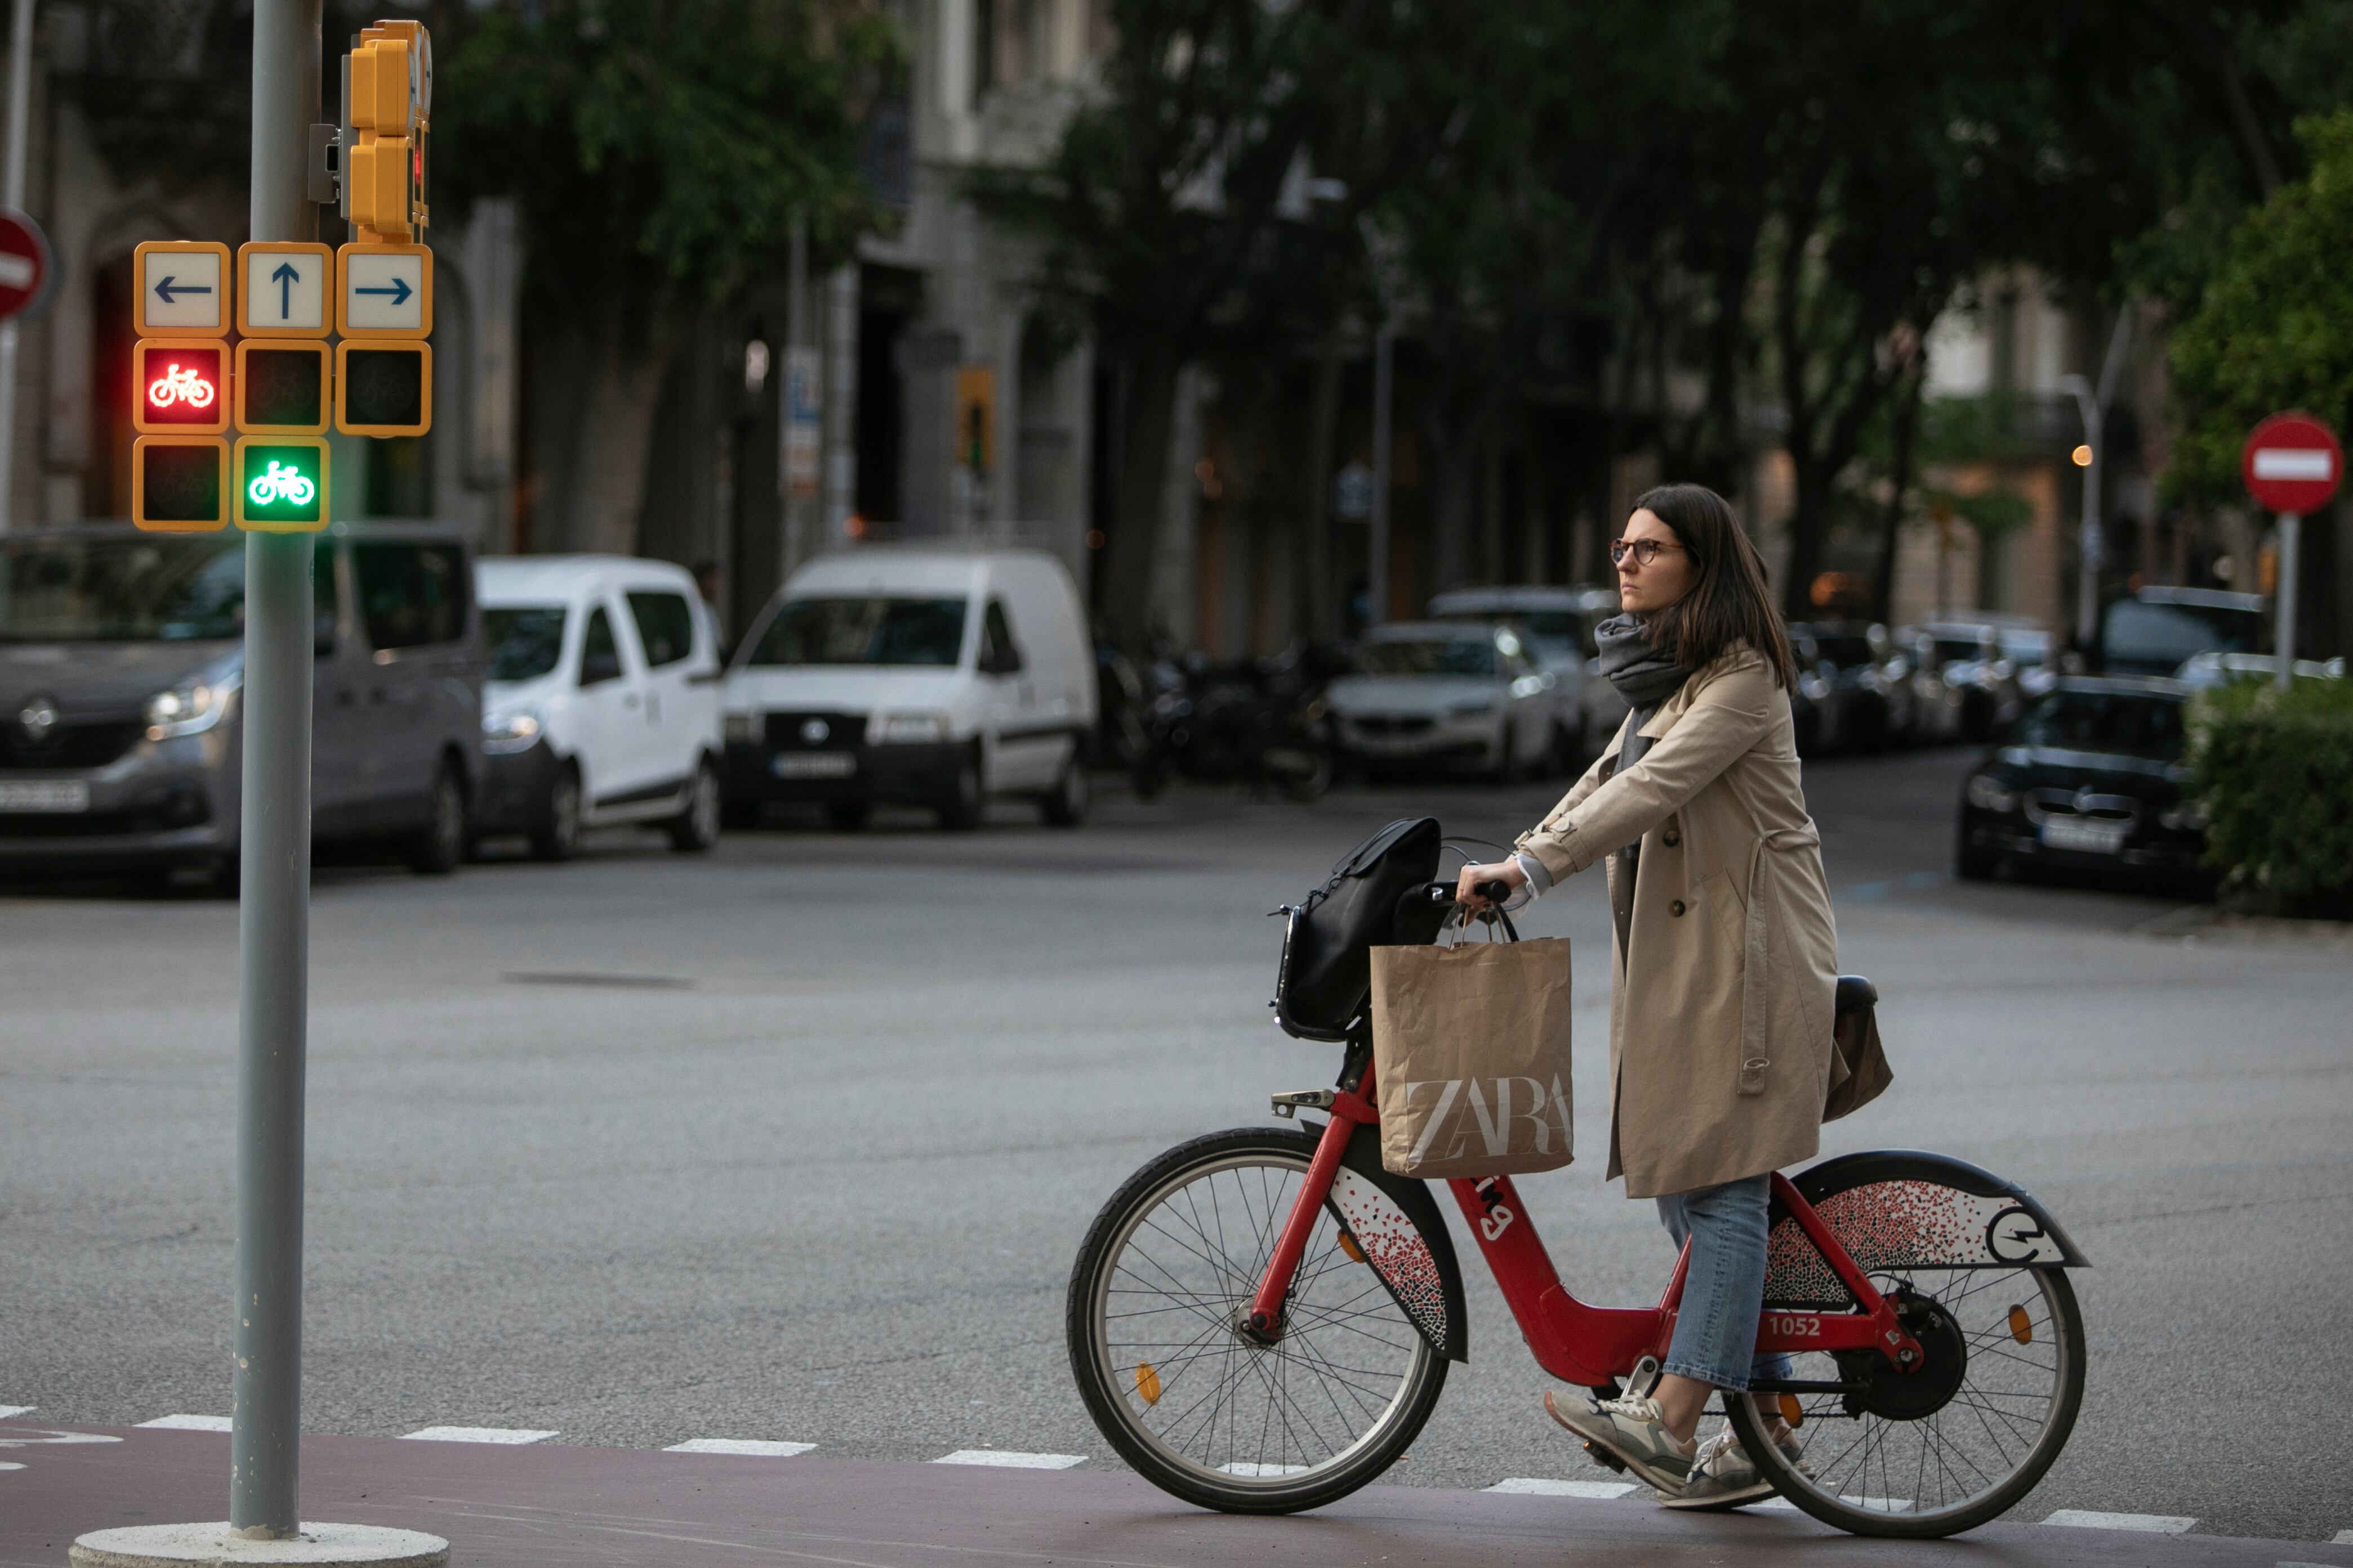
[1147, 1382]
[1348, 1245]
[1792, 1412]
[2020, 1329]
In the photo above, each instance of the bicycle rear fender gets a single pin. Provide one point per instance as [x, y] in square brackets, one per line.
[1396, 1224]
[1894, 1208]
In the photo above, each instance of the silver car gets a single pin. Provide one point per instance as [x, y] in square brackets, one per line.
[1556, 627]
[1432, 694]
[122, 660]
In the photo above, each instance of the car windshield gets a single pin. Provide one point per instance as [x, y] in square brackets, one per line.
[2120, 723]
[525, 640]
[1951, 648]
[2032, 650]
[2157, 638]
[865, 631]
[1845, 650]
[1426, 656]
[1553, 631]
[150, 588]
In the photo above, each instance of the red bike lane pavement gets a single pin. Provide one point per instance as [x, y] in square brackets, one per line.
[552, 1506]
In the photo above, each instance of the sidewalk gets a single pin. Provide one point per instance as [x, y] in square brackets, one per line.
[546, 1507]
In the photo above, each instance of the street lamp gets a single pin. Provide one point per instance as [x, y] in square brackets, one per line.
[2092, 407]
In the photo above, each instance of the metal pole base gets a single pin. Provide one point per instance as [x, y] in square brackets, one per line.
[216, 1546]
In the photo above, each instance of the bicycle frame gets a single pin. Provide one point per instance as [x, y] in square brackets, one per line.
[1592, 1346]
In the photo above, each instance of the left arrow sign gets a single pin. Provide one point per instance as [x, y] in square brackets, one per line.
[184, 287]
[166, 289]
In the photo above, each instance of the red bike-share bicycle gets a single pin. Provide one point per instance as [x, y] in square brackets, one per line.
[1261, 1320]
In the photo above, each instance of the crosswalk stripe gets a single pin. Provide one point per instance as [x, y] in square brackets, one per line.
[1011, 1460]
[476, 1435]
[2148, 1523]
[750, 1447]
[188, 1424]
[1539, 1485]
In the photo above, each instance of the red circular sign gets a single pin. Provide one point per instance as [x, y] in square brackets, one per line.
[24, 263]
[2292, 463]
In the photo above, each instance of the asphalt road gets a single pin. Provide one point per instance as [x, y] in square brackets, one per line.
[797, 1142]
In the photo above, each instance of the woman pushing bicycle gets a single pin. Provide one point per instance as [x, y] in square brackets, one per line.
[1722, 988]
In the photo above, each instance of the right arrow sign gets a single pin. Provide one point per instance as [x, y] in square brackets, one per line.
[384, 290]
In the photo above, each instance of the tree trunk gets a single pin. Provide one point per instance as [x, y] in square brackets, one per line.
[1311, 553]
[1907, 426]
[1815, 480]
[594, 422]
[1150, 417]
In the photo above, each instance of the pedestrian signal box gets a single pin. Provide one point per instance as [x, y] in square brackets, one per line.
[179, 484]
[383, 388]
[179, 387]
[387, 99]
[281, 484]
[281, 388]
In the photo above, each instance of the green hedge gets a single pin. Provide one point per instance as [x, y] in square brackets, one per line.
[2274, 771]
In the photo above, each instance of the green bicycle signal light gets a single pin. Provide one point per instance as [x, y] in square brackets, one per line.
[280, 484]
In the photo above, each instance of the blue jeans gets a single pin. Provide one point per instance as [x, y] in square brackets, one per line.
[1723, 1287]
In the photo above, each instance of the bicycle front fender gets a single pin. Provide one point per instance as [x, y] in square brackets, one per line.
[1396, 1223]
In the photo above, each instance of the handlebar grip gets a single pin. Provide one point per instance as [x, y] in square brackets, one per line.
[1494, 892]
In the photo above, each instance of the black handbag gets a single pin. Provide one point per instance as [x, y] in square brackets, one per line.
[1375, 897]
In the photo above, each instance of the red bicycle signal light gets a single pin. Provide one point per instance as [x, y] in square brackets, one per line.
[179, 387]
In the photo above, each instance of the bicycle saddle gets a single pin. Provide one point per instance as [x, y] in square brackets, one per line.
[1855, 993]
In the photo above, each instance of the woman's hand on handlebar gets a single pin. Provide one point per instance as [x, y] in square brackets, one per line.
[1466, 885]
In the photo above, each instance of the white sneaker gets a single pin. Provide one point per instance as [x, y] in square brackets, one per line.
[1722, 1476]
[1632, 1428]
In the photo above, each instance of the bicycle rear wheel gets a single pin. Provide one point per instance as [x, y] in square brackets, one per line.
[1203, 1411]
[1955, 1443]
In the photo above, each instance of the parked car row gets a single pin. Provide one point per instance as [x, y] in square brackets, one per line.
[458, 701]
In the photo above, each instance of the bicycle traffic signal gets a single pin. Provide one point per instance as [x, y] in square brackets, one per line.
[281, 484]
[281, 388]
[382, 389]
[387, 99]
[179, 387]
[178, 483]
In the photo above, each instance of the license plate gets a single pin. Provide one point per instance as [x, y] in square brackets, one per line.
[61, 795]
[815, 765]
[2085, 837]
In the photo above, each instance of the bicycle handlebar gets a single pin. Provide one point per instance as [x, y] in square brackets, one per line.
[1494, 893]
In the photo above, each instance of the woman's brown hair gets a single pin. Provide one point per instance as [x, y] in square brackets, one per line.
[1731, 598]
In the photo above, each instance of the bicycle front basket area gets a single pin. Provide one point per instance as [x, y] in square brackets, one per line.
[1326, 975]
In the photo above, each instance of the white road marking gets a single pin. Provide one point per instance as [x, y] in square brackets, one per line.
[188, 1424]
[1537, 1486]
[10, 1412]
[2146, 1523]
[1010, 1460]
[476, 1435]
[2342, 1538]
[10, 1465]
[1254, 1470]
[754, 1447]
[1876, 1504]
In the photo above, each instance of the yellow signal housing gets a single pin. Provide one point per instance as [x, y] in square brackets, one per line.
[381, 100]
[376, 177]
[179, 484]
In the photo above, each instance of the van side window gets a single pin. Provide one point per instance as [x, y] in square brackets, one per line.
[665, 626]
[322, 600]
[999, 654]
[600, 656]
[411, 596]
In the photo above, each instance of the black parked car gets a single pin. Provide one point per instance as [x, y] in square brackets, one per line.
[2090, 778]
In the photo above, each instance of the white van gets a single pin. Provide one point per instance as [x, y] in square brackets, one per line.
[602, 704]
[918, 677]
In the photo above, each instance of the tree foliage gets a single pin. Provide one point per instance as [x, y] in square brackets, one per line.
[2275, 327]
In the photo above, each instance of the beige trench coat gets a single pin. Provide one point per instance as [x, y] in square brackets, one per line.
[1721, 1003]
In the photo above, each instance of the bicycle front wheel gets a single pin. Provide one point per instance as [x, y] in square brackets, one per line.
[1203, 1411]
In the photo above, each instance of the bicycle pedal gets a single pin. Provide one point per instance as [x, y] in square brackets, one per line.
[1605, 1458]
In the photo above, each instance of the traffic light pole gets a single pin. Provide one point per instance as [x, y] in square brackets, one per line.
[275, 871]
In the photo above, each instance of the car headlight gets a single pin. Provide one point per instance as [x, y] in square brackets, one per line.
[743, 729]
[503, 734]
[2184, 816]
[1987, 793]
[911, 729]
[189, 708]
[1472, 708]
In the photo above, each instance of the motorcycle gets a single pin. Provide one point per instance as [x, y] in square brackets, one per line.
[1262, 721]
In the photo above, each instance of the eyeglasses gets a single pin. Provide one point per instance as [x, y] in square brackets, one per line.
[1644, 550]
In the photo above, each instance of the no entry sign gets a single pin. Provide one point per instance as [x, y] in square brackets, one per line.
[24, 263]
[2292, 464]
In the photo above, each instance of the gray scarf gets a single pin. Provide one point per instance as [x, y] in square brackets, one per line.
[1645, 677]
